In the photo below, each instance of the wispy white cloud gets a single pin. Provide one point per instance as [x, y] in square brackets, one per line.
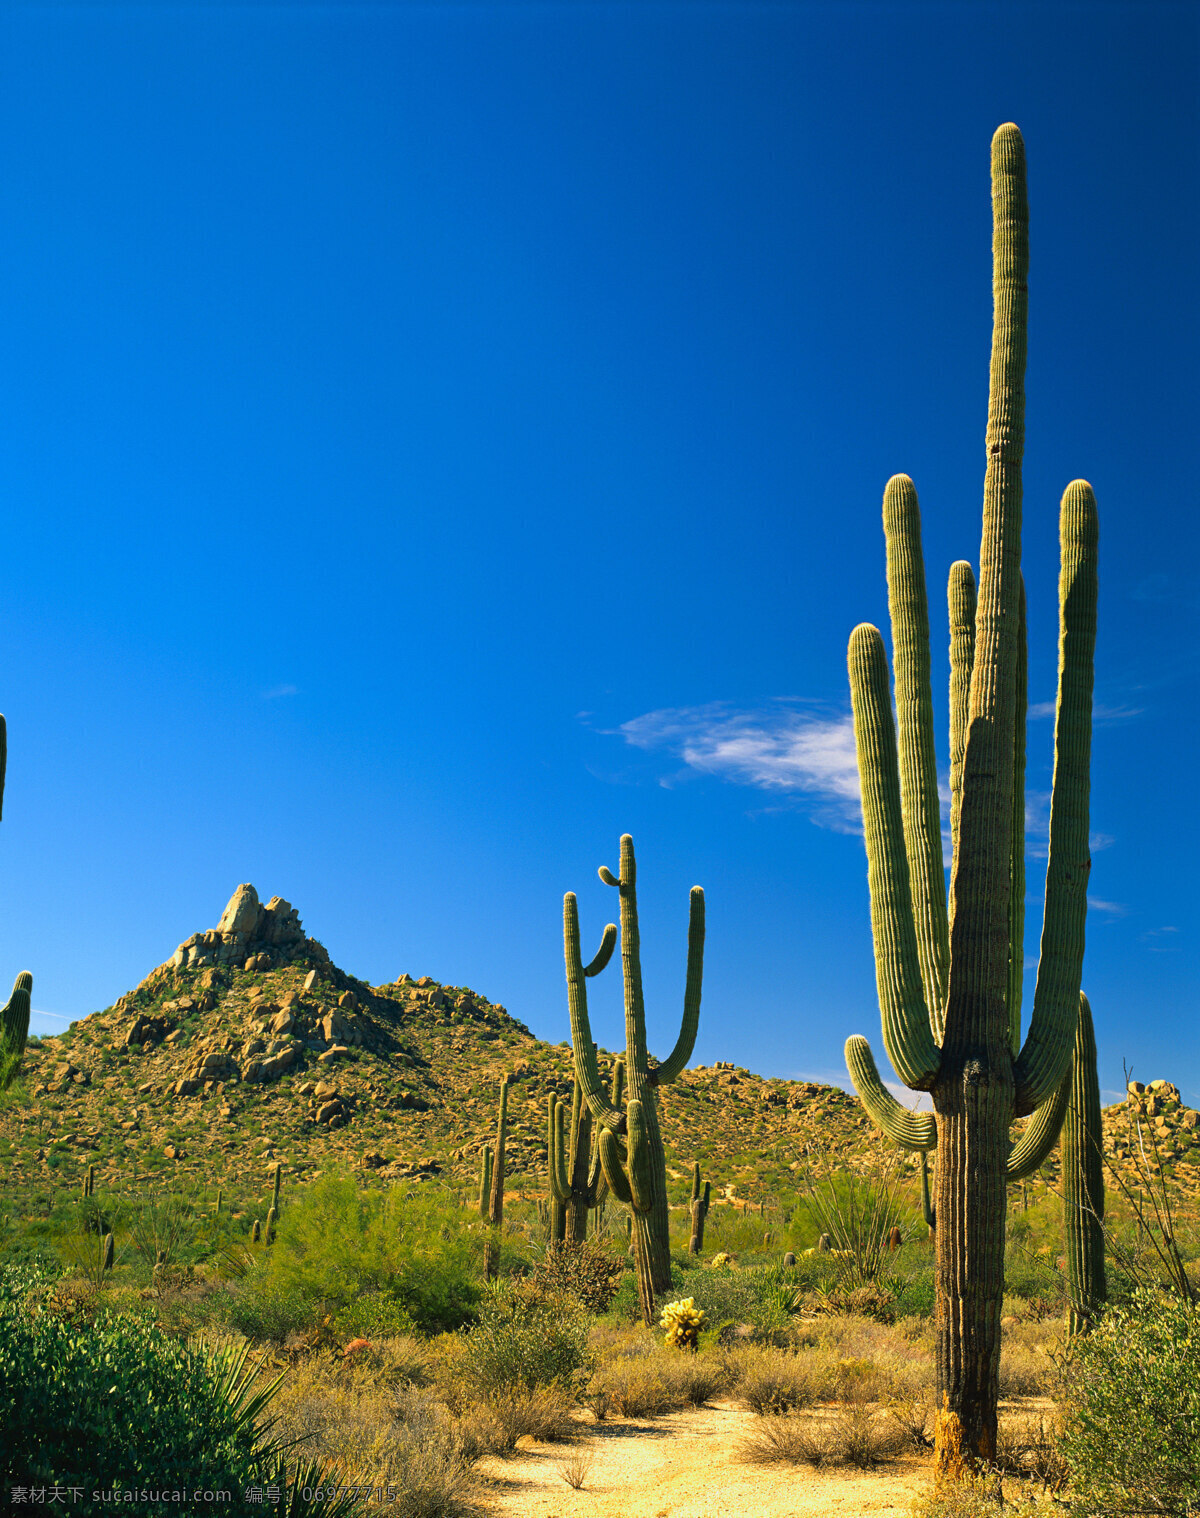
[1104, 714]
[280, 690]
[1098, 841]
[1163, 940]
[1110, 908]
[788, 747]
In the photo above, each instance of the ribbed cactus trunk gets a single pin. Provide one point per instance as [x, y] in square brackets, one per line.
[949, 975]
[1083, 1181]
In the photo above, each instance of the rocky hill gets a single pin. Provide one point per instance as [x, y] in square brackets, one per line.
[250, 1046]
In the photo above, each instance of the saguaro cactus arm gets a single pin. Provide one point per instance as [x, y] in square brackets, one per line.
[960, 594]
[587, 1069]
[1047, 1051]
[556, 1145]
[1029, 1153]
[909, 611]
[613, 1164]
[485, 1180]
[907, 1031]
[911, 1130]
[686, 1042]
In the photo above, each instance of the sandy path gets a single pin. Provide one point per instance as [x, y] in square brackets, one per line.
[683, 1466]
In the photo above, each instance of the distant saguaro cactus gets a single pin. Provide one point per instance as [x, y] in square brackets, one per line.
[492, 1188]
[699, 1209]
[631, 1147]
[1083, 1181]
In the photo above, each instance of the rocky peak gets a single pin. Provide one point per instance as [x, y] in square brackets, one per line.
[250, 935]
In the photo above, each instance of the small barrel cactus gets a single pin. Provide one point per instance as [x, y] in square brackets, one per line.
[789, 1259]
[683, 1322]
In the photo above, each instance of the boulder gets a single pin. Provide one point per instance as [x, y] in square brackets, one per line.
[242, 914]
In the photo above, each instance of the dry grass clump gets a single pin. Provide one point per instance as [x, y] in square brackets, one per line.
[772, 1382]
[978, 1498]
[914, 1419]
[856, 1435]
[1027, 1446]
[368, 1431]
[577, 1469]
[493, 1425]
[1026, 1367]
[636, 1376]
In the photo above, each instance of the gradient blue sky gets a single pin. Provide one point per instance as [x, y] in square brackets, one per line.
[437, 439]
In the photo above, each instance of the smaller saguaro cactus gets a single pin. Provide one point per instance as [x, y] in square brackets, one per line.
[89, 1181]
[255, 1232]
[276, 1181]
[577, 1182]
[109, 1251]
[485, 1180]
[631, 1146]
[272, 1219]
[217, 1209]
[1083, 1181]
[699, 1209]
[494, 1167]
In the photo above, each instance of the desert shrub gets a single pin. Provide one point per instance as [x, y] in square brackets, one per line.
[1131, 1424]
[524, 1339]
[633, 1388]
[854, 1435]
[1026, 1369]
[975, 1498]
[397, 1438]
[1029, 1447]
[765, 1298]
[772, 1383]
[543, 1413]
[115, 1402]
[588, 1271]
[339, 1245]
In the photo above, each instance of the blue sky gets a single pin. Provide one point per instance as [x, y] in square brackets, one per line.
[437, 439]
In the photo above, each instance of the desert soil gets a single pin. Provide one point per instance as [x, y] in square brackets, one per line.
[684, 1466]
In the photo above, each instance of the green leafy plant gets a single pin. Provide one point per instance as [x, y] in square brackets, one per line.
[526, 1339]
[1131, 1422]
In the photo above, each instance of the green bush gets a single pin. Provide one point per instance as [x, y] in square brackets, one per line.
[526, 1338]
[339, 1246]
[115, 1403]
[587, 1271]
[1131, 1430]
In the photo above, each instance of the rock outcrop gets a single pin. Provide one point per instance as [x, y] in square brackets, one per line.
[250, 936]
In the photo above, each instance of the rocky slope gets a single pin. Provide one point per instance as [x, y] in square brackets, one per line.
[249, 1046]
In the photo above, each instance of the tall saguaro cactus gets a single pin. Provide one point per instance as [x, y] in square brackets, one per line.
[577, 1182]
[491, 1186]
[1083, 1181]
[630, 1141]
[949, 978]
